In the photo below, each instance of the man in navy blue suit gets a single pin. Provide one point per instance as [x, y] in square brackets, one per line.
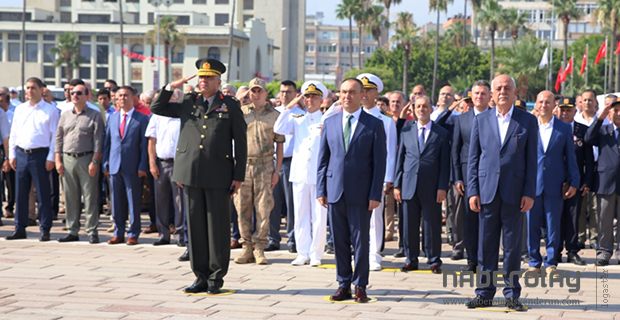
[351, 168]
[607, 139]
[557, 179]
[422, 176]
[501, 187]
[125, 159]
[481, 95]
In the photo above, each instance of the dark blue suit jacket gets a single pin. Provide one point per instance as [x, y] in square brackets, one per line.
[558, 164]
[507, 168]
[357, 175]
[584, 155]
[127, 155]
[431, 167]
[460, 145]
[608, 170]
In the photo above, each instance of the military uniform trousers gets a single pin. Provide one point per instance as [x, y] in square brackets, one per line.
[377, 234]
[168, 202]
[310, 222]
[588, 214]
[208, 213]
[78, 185]
[255, 194]
[610, 210]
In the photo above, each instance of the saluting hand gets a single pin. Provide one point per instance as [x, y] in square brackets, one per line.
[406, 111]
[295, 101]
[178, 84]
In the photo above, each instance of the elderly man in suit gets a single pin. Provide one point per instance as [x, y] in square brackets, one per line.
[572, 206]
[125, 160]
[557, 179]
[607, 138]
[351, 168]
[422, 176]
[481, 95]
[501, 187]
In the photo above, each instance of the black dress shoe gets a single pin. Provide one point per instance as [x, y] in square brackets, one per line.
[184, 256]
[161, 242]
[342, 294]
[181, 244]
[1, 223]
[360, 295]
[479, 302]
[214, 290]
[329, 249]
[457, 256]
[514, 304]
[45, 236]
[93, 239]
[602, 262]
[576, 259]
[21, 234]
[470, 267]
[69, 238]
[409, 267]
[436, 268]
[197, 287]
[400, 253]
[292, 248]
[273, 247]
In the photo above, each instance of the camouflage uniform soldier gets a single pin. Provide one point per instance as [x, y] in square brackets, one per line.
[260, 174]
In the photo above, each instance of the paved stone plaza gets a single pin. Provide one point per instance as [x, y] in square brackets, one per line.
[82, 281]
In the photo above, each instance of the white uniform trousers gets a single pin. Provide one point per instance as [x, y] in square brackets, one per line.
[377, 233]
[310, 222]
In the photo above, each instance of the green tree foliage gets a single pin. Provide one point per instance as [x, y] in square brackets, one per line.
[67, 53]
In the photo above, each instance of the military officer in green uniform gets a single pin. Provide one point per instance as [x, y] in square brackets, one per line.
[207, 168]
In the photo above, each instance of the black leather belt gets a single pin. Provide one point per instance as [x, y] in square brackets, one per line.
[171, 160]
[78, 154]
[35, 150]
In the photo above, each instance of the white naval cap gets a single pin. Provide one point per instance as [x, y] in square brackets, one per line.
[314, 87]
[370, 81]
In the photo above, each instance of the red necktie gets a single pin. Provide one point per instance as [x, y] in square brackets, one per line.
[123, 122]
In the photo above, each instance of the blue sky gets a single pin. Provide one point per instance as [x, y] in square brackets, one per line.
[328, 7]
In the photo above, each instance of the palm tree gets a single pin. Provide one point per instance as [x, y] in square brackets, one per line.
[388, 4]
[607, 15]
[346, 10]
[377, 23]
[474, 23]
[405, 34]
[437, 6]
[566, 10]
[362, 17]
[521, 61]
[514, 22]
[169, 35]
[454, 34]
[67, 53]
[491, 15]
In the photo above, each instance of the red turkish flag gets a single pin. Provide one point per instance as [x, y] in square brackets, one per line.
[559, 79]
[584, 63]
[602, 52]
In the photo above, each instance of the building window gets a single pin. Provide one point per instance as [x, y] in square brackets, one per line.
[14, 36]
[248, 4]
[49, 37]
[182, 20]
[14, 51]
[137, 48]
[49, 72]
[48, 56]
[65, 3]
[93, 18]
[85, 73]
[221, 1]
[177, 54]
[102, 73]
[179, 1]
[214, 53]
[247, 17]
[31, 52]
[65, 17]
[238, 57]
[221, 19]
[30, 36]
[14, 16]
[102, 54]
[199, 1]
[85, 53]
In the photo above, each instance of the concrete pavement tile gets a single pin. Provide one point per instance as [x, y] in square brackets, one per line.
[321, 313]
[228, 314]
[70, 313]
[265, 310]
[170, 309]
[14, 316]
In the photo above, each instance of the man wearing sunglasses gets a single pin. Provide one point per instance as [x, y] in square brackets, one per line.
[79, 140]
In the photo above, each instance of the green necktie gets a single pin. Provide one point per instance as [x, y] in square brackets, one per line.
[347, 132]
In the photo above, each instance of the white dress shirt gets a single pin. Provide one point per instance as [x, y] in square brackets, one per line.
[306, 130]
[427, 130]
[289, 142]
[545, 130]
[166, 131]
[356, 116]
[502, 122]
[390, 141]
[35, 127]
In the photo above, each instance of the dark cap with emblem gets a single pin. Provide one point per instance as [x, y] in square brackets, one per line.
[567, 102]
[467, 96]
[520, 104]
[210, 67]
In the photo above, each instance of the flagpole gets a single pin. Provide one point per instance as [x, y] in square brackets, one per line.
[606, 70]
[587, 67]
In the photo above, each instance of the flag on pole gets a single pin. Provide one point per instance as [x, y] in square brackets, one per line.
[602, 52]
[569, 69]
[584, 62]
[544, 60]
[617, 51]
[559, 79]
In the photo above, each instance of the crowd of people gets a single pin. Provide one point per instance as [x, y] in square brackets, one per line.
[347, 170]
